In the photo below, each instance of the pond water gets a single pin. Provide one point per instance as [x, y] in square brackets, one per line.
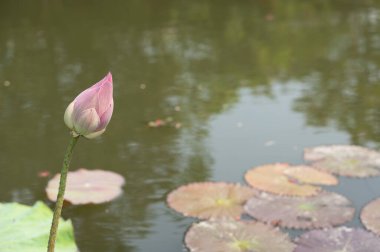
[246, 82]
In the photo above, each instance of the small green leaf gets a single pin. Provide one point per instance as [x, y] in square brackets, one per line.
[26, 228]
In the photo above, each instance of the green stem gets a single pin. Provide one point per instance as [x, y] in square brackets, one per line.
[61, 192]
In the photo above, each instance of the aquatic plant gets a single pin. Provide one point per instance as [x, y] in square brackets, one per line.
[324, 210]
[337, 239]
[88, 115]
[239, 236]
[87, 186]
[210, 200]
[90, 112]
[26, 228]
[284, 179]
[283, 196]
[344, 160]
[370, 216]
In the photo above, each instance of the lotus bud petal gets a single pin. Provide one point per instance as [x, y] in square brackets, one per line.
[91, 111]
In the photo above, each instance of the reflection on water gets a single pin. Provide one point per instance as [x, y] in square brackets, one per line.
[232, 72]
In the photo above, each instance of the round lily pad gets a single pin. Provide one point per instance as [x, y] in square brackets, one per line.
[370, 216]
[87, 186]
[342, 239]
[26, 228]
[284, 179]
[321, 211]
[345, 160]
[210, 200]
[306, 174]
[236, 236]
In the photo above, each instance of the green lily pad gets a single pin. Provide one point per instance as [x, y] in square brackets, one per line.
[26, 229]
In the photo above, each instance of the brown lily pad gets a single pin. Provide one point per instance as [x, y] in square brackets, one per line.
[345, 160]
[370, 216]
[321, 211]
[283, 179]
[306, 174]
[87, 187]
[342, 239]
[236, 236]
[210, 200]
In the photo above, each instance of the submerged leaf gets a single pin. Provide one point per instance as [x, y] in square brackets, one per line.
[323, 210]
[236, 236]
[370, 216]
[342, 239]
[87, 187]
[345, 160]
[284, 179]
[25, 228]
[210, 200]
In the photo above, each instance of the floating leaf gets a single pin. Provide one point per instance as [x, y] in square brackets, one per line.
[236, 236]
[370, 216]
[345, 160]
[342, 239]
[284, 179]
[26, 228]
[323, 210]
[210, 200]
[87, 187]
[308, 175]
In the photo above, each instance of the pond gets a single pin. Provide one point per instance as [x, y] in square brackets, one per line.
[244, 83]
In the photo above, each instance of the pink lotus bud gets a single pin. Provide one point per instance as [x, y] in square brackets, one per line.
[90, 112]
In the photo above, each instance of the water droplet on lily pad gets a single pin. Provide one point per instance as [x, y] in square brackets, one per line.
[210, 200]
[87, 186]
[344, 160]
[236, 236]
[320, 211]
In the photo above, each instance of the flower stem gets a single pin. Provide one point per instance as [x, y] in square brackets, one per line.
[61, 192]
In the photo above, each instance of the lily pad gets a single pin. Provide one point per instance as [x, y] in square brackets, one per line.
[321, 211]
[236, 236]
[370, 216]
[342, 239]
[210, 200]
[306, 174]
[345, 160]
[283, 179]
[25, 228]
[87, 187]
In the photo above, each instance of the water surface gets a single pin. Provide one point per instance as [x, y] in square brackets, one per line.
[250, 82]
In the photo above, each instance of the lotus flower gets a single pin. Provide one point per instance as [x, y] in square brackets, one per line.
[90, 112]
